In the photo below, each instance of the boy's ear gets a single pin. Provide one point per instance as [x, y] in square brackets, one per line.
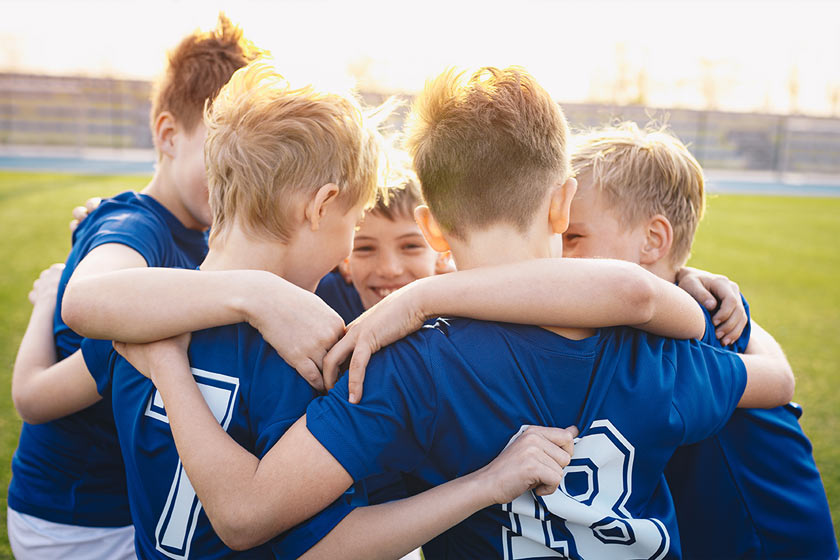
[431, 229]
[561, 202]
[164, 131]
[659, 238]
[344, 270]
[444, 263]
[317, 206]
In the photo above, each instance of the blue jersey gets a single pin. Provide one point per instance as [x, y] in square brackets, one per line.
[447, 399]
[341, 296]
[754, 486]
[254, 395]
[70, 470]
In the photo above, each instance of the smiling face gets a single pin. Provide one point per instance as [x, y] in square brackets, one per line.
[387, 255]
[595, 229]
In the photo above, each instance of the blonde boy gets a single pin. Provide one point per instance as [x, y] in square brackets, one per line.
[490, 153]
[67, 497]
[640, 197]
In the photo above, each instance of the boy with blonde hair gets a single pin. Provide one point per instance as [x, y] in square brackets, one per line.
[490, 152]
[67, 496]
[640, 198]
[290, 172]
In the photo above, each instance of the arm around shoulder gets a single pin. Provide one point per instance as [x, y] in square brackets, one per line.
[770, 379]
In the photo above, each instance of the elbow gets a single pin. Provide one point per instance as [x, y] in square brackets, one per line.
[237, 530]
[640, 289]
[26, 405]
[72, 310]
[787, 386]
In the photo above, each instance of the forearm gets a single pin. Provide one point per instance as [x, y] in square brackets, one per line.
[564, 293]
[36, 353]
[394, 529]
[146, 304]
[770, 380]
[247, 501]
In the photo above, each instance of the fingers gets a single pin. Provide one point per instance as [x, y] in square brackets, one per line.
[73, 225]
[698, 291]
[80, 213]
[337, 355]
[310, 372]
[92, 204]
[732, 328]
[358, 363]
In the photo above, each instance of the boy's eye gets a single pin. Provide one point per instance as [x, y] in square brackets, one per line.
[363, 249]
[412, 247]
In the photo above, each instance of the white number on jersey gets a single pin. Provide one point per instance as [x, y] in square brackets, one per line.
[177, 521]
[589, 506]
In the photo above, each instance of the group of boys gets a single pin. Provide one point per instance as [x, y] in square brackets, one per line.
[486, 437]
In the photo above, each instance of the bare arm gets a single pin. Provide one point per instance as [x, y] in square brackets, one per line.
[534, 460]
[552, 292]
[143, 305]
[298, 477]
[770, 380]
[42, 389]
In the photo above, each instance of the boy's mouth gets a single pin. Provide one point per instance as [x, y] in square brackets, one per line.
[384, 292]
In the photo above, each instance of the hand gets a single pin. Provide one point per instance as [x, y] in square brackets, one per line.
[81, 212]
[391, 319]
[534, 459]
[730, 319]
[299, 326]
[45, 288]
[148, 358]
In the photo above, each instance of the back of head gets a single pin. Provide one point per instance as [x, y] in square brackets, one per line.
[269, 145]
[197, 69]
[486, 148]
[642, 173]
[402, 193]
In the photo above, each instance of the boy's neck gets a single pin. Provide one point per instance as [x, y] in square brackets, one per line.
[163, 190]
[238, 250]
[664, 269]
[506, 245]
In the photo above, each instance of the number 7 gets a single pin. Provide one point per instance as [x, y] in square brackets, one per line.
[177, 522]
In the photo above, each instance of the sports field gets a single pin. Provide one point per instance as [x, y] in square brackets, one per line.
[783, 251]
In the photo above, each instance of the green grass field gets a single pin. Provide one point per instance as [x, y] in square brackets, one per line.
[784, 253]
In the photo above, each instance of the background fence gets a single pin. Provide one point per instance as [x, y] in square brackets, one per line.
[85, 113]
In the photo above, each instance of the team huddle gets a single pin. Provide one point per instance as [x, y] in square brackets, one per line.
[298, 341]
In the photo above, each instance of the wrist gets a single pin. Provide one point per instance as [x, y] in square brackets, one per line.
[242, 302]
[423, 297]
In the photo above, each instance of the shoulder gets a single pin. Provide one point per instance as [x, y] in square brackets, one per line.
[128, 212]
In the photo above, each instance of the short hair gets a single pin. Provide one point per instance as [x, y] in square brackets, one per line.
[642, 173]
[401, 194]
[197, 69]
[486, 148]
[268, 143]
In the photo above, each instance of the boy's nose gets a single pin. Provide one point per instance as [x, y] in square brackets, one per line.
[390, 266]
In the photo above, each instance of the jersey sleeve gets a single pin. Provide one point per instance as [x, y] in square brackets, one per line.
[708, 384]
[277, 398]
[393, 425]
[739, 345]
[99, 355]
[137, 230]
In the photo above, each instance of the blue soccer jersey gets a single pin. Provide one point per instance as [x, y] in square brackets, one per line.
[341, 296]
[70, 470]
[254, 395]
[752, 490]
[447, 399]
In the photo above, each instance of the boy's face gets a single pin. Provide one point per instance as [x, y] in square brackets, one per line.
[190, 176]
[387, 255]
[596, 231]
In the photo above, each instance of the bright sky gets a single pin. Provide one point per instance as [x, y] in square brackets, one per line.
[731, 55]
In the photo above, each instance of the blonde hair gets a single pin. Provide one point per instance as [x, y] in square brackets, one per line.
[643, 173]
[197, 69]
[486, 148]
[268, 143]
[401, 194]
